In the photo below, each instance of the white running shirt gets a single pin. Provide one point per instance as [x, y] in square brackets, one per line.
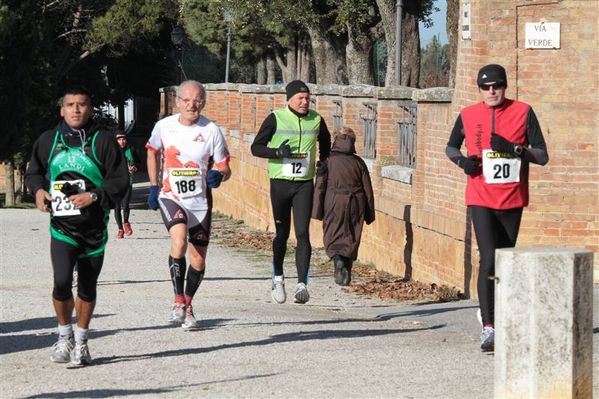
[188, 152]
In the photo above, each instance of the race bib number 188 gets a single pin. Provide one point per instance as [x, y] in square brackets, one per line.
[497, 169]
[186, 182]
[61, 206]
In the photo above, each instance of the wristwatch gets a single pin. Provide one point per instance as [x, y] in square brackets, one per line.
[518, 149]
[93, 196]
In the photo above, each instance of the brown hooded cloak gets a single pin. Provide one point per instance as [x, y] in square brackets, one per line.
[343, 199]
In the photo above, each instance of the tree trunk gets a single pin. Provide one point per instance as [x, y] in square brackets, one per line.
[19, 186]
[452, 28]
[328, 58]
[287, 63]
[410, 45]
[261, 70]
[387, 11]
[359, 65]
[304, 59]
[410, 41]
[9, 180]
[270, 70]
[121, 114]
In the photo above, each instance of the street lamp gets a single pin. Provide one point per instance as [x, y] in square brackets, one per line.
[398, 15]
[178, 38]
[228, 19]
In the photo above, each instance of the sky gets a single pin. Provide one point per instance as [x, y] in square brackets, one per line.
[426, 34]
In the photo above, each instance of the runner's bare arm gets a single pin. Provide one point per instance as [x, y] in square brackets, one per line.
[153, 160]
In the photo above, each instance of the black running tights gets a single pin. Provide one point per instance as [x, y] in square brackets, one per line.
[64, 257]
[494, 229]
[124, 205]
[287, 195]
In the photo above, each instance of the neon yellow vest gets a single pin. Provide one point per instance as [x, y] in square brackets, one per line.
[302, 133]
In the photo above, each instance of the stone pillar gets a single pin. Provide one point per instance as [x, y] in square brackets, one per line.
[543, 323]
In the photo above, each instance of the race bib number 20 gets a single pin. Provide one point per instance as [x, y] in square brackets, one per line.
[497, 169]
[61, 206]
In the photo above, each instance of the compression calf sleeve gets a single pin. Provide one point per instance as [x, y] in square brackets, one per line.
[194, 279]
[177, 268]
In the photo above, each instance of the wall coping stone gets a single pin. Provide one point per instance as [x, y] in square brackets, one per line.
[397, 172]
[221, 86]
[396, 92]
[327, 90]
[433, 95]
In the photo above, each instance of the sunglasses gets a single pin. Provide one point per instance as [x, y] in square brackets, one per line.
[495, 86]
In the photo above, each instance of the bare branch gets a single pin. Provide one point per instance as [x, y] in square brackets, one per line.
[71, 32]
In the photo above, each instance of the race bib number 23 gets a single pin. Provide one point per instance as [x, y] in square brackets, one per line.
[61, 206]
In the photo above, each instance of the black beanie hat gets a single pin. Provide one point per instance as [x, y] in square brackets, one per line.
[297, 86]
[491, 73]
[119, 133]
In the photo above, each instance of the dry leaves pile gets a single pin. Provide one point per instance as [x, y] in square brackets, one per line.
[366, 280]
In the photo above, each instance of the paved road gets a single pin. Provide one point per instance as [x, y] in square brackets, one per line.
[337, 346]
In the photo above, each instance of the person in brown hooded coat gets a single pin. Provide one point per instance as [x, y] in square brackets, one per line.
[343, 200]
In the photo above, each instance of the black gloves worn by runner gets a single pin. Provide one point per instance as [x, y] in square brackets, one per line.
[69, 189]
[471, 165]
[284, 151]
[499, 144]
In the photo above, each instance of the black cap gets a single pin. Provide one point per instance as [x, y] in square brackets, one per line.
[119, 133]
[492, 73]
[297, 86]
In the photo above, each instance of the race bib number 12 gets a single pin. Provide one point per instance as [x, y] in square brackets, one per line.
[61, 206]
[296, 165]
[497, 169]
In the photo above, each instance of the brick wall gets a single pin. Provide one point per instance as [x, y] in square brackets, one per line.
[422, 228]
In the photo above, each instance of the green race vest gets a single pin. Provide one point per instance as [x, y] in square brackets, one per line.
[302, 133]
[70, 159]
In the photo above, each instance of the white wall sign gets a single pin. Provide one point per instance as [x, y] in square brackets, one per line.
[542, 35]
[466, 22]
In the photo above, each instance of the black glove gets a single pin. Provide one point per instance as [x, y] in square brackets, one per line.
[321, 168]
[471, 165]
[69, 189]
[284, 151]
[499, 144]
[213, 178]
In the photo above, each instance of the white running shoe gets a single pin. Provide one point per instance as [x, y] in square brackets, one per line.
[177, 314]
[301, 293]
[61, 350]
[80, 356]
[278, 294]
[487, 339]
[190, 323]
